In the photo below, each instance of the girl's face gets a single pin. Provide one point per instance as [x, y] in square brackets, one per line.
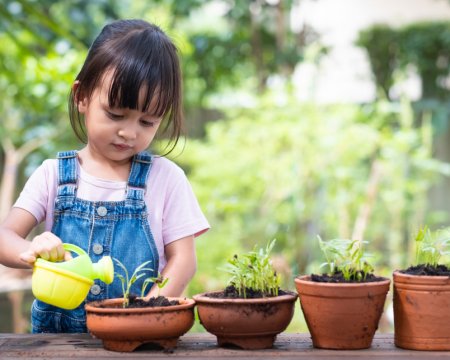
[116, 134]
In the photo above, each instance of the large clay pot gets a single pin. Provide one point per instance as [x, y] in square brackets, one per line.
[246, 323]
[342, 315]
[421, 312]
[124, 329]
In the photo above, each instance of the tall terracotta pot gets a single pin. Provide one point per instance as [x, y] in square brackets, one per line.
[247, 323]
[342, 315]
[421, 312]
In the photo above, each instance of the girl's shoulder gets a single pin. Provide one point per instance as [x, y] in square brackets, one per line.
[48, 168]
[50, 163]
[166, 167]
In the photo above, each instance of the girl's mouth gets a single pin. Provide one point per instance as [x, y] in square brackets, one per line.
[122, 147]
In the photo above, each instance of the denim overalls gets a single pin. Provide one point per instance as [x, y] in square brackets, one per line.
[119, 229]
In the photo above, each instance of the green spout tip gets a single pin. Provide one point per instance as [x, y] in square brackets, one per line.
[104, 270]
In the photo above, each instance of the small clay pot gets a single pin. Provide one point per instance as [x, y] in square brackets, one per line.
[421, 312]
[124, 329]
[342, 315]
[246, 323]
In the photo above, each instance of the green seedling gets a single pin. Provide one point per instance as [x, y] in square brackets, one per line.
[160, 282]
[431, 247]
[346, 256]
[254, 271]
[127, 281]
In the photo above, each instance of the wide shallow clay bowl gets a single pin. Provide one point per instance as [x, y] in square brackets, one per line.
[246, 323]
[123, 329]
[342, 315]
[421, 312]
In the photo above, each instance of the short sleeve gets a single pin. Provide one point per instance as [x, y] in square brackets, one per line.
[35, 196]
[182, 214]
[174, 210]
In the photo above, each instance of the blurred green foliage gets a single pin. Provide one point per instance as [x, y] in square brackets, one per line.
[425, 46]
[380, 42]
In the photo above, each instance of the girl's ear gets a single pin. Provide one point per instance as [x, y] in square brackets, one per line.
[78, 98]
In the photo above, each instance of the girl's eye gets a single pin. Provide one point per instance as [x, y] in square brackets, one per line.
[114, 116]
[147, 123]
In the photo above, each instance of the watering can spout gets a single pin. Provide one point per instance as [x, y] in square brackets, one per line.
[104, 270]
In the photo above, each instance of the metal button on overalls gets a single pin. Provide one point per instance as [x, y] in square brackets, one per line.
[96, 289]
[97, 248]
[102, 211]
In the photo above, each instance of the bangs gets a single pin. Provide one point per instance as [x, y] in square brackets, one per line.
[141, 65]
[144, 64]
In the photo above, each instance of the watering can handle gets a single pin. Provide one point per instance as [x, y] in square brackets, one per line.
[74, 248]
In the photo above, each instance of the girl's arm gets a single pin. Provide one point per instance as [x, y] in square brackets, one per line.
[180, 268]
[16, 251]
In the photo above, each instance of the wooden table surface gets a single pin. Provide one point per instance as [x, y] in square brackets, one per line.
[196, 346]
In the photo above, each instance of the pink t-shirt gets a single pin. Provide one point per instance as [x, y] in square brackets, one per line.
[173, 209]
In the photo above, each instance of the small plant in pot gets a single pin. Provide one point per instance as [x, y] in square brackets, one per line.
[421, 294]
[123, 324]
[252, 309]
[342, 307]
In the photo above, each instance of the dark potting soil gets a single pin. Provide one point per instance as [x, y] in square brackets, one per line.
[428, 270]
[136, 302]
[231, 292]
[338, 277]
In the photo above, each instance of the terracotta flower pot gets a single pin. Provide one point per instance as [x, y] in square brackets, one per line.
[124, 329]
[247, 323]
[421, 312]
[342, 315]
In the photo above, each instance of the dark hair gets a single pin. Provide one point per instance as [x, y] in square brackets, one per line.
[139, 54]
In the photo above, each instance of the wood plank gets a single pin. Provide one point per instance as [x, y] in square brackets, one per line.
[196, 346]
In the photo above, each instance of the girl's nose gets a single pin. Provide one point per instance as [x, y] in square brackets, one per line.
[127, 133]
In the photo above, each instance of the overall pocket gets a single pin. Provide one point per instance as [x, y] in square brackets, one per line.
[51, 319]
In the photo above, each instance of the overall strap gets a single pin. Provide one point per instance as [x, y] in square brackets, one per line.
[67, 173]
[137, 181]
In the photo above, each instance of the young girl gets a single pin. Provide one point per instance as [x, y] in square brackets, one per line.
[111, 197]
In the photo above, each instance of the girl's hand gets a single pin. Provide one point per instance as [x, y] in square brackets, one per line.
[47, 246]
[180, 268]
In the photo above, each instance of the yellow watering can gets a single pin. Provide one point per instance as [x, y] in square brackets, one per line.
[66, 284]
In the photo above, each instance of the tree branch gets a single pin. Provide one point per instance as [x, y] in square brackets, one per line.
[367, 206]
